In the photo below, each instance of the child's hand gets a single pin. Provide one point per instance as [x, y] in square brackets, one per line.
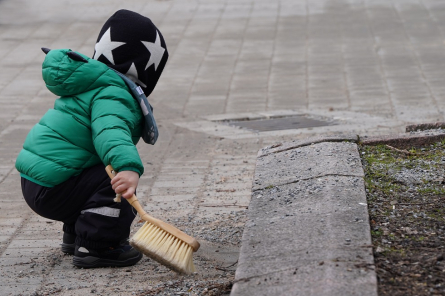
[125, 182]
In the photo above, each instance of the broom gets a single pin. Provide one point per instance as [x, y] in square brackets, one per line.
[162, 241]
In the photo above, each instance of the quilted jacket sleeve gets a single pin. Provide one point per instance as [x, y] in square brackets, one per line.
[115, 117]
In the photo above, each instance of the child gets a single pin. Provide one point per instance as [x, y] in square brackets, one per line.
[95, 122]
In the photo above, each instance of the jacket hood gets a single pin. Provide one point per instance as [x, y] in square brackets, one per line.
[65, 76]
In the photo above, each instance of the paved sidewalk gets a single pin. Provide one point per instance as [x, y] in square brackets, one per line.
[371, 66]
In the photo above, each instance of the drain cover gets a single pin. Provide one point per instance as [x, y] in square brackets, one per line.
[282, 123]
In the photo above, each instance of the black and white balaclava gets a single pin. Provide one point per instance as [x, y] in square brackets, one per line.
[131, 44]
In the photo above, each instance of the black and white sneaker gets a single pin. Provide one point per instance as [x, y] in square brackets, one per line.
[122, 255]
[68, 243]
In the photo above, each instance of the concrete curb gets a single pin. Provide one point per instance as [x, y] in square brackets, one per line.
[408, 140]
[308, 229]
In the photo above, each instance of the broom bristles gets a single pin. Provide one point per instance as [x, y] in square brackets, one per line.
[164, 247]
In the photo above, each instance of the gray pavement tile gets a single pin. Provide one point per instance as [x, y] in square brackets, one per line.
[11, 222]
[19, 281]
[19, 243]
[42, 227]
[17, 289]
[53, 234]
[172, 198]
[7, 230]
[32, 252]
[7, 261]
[4, 239]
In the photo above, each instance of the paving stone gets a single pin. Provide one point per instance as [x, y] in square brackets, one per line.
[34, 243]
[17, 289]
[172, 198]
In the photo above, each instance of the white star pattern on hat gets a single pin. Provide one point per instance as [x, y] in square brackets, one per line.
[132, 73]
[156, 51]
[105, 46]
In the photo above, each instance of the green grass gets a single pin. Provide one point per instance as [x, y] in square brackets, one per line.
[376, 233]
[381, 163]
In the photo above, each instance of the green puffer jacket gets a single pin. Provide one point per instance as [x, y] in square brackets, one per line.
[95, 120]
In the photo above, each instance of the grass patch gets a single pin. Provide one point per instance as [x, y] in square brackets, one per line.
[406, 202]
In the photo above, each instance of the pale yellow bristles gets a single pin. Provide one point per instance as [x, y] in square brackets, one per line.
[164, 248]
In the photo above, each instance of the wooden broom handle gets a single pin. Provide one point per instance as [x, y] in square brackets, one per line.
[161, 224]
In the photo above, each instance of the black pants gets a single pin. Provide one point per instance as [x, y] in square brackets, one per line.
[85, 205]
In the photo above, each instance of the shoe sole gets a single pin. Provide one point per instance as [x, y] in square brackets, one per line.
[68, 248]
[92, 262]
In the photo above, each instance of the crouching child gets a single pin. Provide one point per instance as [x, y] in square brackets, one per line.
[97, 120]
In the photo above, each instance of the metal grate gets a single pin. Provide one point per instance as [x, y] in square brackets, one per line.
[282, 123]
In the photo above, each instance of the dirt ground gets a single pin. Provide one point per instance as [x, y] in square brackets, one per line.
[216, 262]
[406, 198]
